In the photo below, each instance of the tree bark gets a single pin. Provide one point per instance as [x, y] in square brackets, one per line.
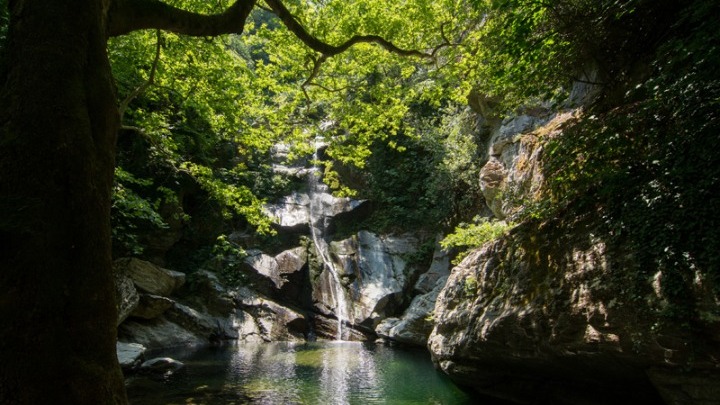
[58, 122]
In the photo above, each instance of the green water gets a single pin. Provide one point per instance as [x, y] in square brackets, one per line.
[328, 373]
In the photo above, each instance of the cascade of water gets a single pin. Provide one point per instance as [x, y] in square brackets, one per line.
[317, 226]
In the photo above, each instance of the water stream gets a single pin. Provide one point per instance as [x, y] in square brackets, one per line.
[318, 190]
[332, 373]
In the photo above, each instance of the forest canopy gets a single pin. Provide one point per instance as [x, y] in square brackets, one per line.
[211, 109]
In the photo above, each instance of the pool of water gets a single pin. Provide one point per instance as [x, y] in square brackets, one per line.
[328, 373]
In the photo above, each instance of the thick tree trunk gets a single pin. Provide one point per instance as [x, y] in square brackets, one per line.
[58, 123]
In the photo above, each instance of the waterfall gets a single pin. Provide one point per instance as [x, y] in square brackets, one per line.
[317, 227]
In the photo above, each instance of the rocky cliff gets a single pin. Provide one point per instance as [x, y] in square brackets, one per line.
[555, 312]
[313, 283]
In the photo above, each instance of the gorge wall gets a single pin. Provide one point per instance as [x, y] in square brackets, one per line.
[558, 311]
[552, 312]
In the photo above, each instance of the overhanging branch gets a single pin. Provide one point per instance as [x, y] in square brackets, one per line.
[329, 50]
[130, 15]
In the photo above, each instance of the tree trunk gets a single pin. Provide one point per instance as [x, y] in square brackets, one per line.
[58, 122]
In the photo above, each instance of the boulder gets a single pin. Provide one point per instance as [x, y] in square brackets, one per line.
[439, 270]
[129, 355]
[149, 277]
[270, 273]
[200, 323]
[416, 323]
[211, 294]
[161, 365]
[126, 295]
[260, 317]
[151, 306]
[158, 333]
[553, 313]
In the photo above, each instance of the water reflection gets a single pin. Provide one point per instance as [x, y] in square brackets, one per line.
[342, 373]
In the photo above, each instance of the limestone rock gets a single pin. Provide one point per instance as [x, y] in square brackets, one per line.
[129, 354]
[157, 333]
[161, 365]
[149, 277]
[373, 271]
[126, 295]
[383, 274]
[151, 306]
[492, 185]
[547, 313]
[512, 174]
[294, 210]
[439, 270]
[276, 269]
[265, 319]
[416, 323]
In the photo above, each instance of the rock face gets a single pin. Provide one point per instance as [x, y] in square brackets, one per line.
[549, 313]
[260, 319]
[294, 210]
[295, 292]
[512, 173]
[556, 314]
[149, 277]
[416, 323]
[413, 327]
[279, 275]
[126, 295]
[375, 271]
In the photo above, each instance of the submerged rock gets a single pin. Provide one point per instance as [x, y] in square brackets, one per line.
[161, 365]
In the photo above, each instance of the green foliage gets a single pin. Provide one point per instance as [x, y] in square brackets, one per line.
[133, 215]
[184, 126]
[229, 257]
[646, 168]
[470, 286]
[234, 198]
[518, 54]
[422, 257]
[423, 180]
[471, 236]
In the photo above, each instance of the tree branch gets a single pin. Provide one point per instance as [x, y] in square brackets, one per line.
[130, 15]
[141, 88]
[329, 50]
